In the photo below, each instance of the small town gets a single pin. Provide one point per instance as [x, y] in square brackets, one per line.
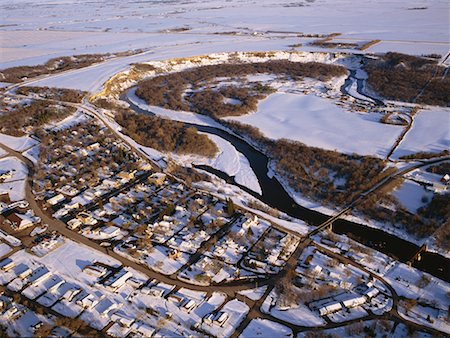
[126, 249]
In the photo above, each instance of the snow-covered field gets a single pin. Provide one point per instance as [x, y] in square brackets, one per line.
[412, 195]
[37, 30]
[430, 132]
[318, 122]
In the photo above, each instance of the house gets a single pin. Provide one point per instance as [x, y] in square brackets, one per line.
[330, 308]
[174, 254]
[70, 294]
[438, 187]
[24, 274]
[13, 313]
[119, 279]
[55, 287]
[122, 320]
[93, 146]
[68, 190]
[219, 318]
[109, 231]
[39, 275]
[157, 178]
[73, 224]
[56, 199]
[19, 221]
[88, 302]
[143, 330]
[6, 175]
[8, 265]
[371, 292]
[126, 175]
[109, 308]
[95, 270]
[353, 302]
[189, 305]
[86, 218]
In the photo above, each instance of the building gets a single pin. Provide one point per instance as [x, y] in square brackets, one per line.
[86, 218]
[157, 178]
[6, 175]
[330, 308]
[126, 175]
[353, 302]
[56, 199]
[174, 254]
[371, 292]
[19, 221]
[73, 224]
[68, 191]
[119, 279]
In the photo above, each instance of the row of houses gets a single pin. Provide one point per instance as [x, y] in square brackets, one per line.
[354, 301]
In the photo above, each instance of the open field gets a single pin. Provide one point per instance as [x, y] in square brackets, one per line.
[66, 28]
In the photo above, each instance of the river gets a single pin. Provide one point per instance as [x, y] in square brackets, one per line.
[274, 195]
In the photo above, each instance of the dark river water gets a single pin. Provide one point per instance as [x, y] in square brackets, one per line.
[275, 195]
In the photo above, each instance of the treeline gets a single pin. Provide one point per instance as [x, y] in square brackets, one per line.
[165, 135]
[314, 171]
[169, 90]
[58, 94]
[440, 169]
[55, 65]
[31, 115]
[422, 155]
[402, 77]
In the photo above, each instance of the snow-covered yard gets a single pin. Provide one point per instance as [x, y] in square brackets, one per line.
[265, 329]
[296, 314]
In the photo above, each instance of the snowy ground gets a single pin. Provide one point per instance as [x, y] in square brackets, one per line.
[412, 195]
[4, 249]
[297, 314]
[430, 132]
[318, 122]
[233, 163]
[32, 154]
[265, 328]
[17, 143]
